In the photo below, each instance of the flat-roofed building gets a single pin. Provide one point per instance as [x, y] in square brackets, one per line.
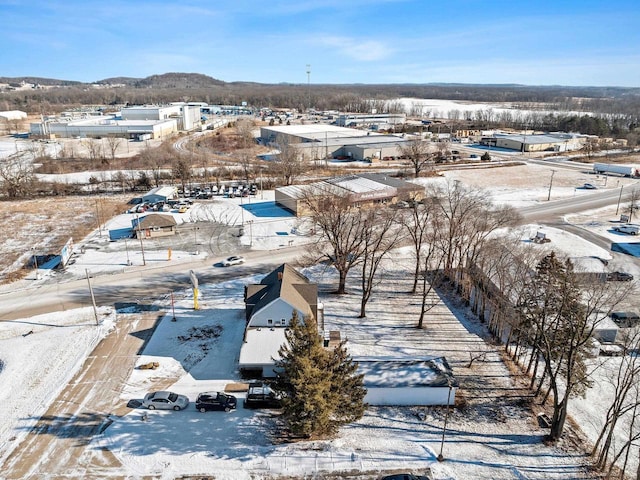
[357, 190]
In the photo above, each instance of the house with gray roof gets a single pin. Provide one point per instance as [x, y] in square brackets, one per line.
[269, 307]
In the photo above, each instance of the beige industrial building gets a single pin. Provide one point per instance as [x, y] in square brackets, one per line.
[357, 190]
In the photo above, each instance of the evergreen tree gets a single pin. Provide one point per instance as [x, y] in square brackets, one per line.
[320, 389]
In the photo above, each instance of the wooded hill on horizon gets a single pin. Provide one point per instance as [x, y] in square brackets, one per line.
[176, 86]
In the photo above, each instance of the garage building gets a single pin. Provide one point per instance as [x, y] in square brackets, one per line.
[408, 381]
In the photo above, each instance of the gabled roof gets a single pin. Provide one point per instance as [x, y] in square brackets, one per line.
[286, 283]
[157, 220]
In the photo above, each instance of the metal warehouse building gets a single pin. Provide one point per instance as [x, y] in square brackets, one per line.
[363, 189]
[316, 142]
[561, 142]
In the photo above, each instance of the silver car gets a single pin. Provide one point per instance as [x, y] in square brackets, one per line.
[235, 260]
[165, 401]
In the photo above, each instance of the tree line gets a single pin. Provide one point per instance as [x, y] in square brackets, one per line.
[543, 309]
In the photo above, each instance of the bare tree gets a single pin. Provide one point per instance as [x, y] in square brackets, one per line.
[113, 143]
[417, 223]
[417, 152]
[94, 149]
[561, 311]
[288, 164]
[340, 226]
[381, 233]
[16, 176]
[623, 375]
[634, 202]
[464, 218]
[244, 128]
[182, 171]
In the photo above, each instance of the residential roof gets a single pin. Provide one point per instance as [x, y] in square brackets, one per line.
[261, 346]
[286, 283]
[389, 373]
[157, 220]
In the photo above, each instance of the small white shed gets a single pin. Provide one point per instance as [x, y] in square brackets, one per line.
[160, 194]
[408, 381]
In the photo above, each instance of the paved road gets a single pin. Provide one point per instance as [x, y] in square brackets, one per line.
[57, 446]
[137, 283]
[552, 210]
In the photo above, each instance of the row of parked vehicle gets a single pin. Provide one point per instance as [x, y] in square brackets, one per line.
[181, 205]
[229, 191]
[259, 395]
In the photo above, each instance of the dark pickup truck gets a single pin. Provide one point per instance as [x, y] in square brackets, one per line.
[260, 395]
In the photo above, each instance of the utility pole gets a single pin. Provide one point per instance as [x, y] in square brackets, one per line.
[309, 86]
[550, 185]
[144, 262]
[93, 299]
[619, 199]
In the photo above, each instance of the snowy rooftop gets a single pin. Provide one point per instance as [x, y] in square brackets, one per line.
[261, 346]
[389, 373]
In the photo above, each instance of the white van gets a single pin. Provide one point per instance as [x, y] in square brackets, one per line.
[627, 228]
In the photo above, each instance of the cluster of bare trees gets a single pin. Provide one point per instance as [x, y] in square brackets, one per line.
[542, 309]
[446, 227]
[546, 313]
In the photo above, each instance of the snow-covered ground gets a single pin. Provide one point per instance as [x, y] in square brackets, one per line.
[38, 356]
[237, 445]
[439, 108]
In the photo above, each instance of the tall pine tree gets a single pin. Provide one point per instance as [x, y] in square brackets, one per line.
[321, 389]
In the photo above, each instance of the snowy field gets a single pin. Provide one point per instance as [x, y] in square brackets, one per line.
[491, 438]
[238, 446]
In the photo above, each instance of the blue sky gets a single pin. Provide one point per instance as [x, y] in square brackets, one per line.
[560, 42]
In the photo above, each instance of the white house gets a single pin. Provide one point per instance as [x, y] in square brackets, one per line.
[269, 309]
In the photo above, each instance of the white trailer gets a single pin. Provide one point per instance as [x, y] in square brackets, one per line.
[626, 170]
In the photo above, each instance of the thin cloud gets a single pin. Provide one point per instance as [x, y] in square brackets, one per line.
[361, 50]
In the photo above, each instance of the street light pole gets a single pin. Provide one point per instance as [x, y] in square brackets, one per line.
[444, 428]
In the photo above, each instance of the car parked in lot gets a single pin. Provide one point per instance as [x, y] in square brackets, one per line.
[208, 401]
[625, 319]
[260, 395]
[627, 228]
[163, 400]
[589, 186]
[619, 277]
[233, 260]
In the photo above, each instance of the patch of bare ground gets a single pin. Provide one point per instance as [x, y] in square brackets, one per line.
[42, 226]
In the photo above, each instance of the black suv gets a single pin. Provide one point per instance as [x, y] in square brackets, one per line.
[619, 277]
[260, 395]
[215, 401]
[625, 319]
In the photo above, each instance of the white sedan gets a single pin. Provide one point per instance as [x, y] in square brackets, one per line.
[234, 260]
[165, 401]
